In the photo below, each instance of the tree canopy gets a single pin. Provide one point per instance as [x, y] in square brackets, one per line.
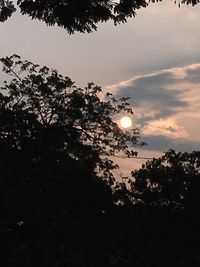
[76, 15]
[171, 181]
[56, 174]
[44, 100]
[59, 201]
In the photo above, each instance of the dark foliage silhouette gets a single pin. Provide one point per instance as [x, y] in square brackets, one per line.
[76, 120]
[172, 181]
[56, 183]
[77, 15]
[167, 191]
[7, 8]
[60, 204]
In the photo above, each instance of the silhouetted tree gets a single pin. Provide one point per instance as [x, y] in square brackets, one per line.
[56, 180]
[165, 194]
[172, 181]
[59, 201]
[77, 15]
[78, 121]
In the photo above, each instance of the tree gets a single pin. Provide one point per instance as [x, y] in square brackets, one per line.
[56, 180]
[165, 208]
[171, 181]
[52, 102]
[77, 15]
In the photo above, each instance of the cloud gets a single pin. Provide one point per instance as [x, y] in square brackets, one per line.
[166, 127]
[163, 143]
[160, 36]
[153, 93]
[167, 106]
[193, 74]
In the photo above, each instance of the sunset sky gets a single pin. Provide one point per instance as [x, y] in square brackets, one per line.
[154, 59]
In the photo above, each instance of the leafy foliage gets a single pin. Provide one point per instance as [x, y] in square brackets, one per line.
[56, 174]
[171, 181]
[58, 196]
[77, 121]
[77, 15]
[7, 8]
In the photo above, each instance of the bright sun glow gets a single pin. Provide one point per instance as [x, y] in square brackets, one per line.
[126, 122]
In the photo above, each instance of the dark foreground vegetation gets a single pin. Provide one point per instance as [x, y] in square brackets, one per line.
[78, 15]
[60, 204]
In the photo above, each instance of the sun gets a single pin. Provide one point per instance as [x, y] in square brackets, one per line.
[126, 122]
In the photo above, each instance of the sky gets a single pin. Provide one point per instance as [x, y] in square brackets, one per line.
[154, 59]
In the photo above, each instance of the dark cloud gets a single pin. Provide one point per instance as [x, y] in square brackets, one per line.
[157, 96]
[193, 75]
[163, 143]
[171, 129]
[158, 79]
[153, 92]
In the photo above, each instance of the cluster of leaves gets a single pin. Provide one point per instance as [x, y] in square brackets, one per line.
[55, 146]
[7, 8]
[77, 15]
[171, 181]
[78, 121]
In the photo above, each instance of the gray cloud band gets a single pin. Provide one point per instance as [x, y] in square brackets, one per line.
[165, 96]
